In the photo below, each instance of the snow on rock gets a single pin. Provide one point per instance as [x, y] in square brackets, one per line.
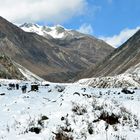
[122, 80]
[130, 78]
[68, 111]
[55, 32]
[28, 74]
[134, 72]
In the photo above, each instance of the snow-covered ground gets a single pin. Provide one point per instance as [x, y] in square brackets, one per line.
[68, 112]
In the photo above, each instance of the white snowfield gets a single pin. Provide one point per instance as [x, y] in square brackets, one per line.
[68, 112]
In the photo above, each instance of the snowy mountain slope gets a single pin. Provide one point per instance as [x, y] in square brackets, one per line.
[57, 32]
[119, 61]
[28, 74]
[130, 78]
[119, 81]
[61, 111]
[134, 71]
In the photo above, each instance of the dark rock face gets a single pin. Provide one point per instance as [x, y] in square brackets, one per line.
[53, 59]
[8, 69]
[120, 60]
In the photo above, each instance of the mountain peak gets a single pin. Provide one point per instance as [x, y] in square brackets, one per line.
[55, 31]
[28, 25]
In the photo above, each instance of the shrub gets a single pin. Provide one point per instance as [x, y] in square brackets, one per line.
[62, 136]
[79, 110]
[90, 129]
[110, 119]
[37, 130]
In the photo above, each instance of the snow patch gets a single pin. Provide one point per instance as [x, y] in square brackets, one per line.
[28, 74]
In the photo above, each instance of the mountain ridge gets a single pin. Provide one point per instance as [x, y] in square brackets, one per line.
[118, 61]
[119, 69]
[51, 59]
[56, 31]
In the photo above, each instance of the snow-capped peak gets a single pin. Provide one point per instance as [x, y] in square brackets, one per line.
[55, 31]
[28, 25]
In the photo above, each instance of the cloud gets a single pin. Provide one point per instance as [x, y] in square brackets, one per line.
[86, 29]
[51, 11]
[122, 37]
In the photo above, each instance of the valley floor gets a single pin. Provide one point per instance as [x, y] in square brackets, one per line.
[68, 112]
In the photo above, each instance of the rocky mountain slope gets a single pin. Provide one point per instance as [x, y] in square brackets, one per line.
[51, 58]
[119, 61]
[120, 69]
[12, 70]
[8, 69]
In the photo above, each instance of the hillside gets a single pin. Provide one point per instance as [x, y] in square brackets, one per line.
[64, 55]
[8, 70]
[119, 61]
[12, 70]
[88, 48]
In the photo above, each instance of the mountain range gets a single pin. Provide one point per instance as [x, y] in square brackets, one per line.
[56, 59]
[62, 55]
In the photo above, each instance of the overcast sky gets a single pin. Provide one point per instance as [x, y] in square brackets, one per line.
[111, 20]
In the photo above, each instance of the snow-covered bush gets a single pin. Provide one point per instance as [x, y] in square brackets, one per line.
[31, 124]
[79, 109]
[61, 135]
